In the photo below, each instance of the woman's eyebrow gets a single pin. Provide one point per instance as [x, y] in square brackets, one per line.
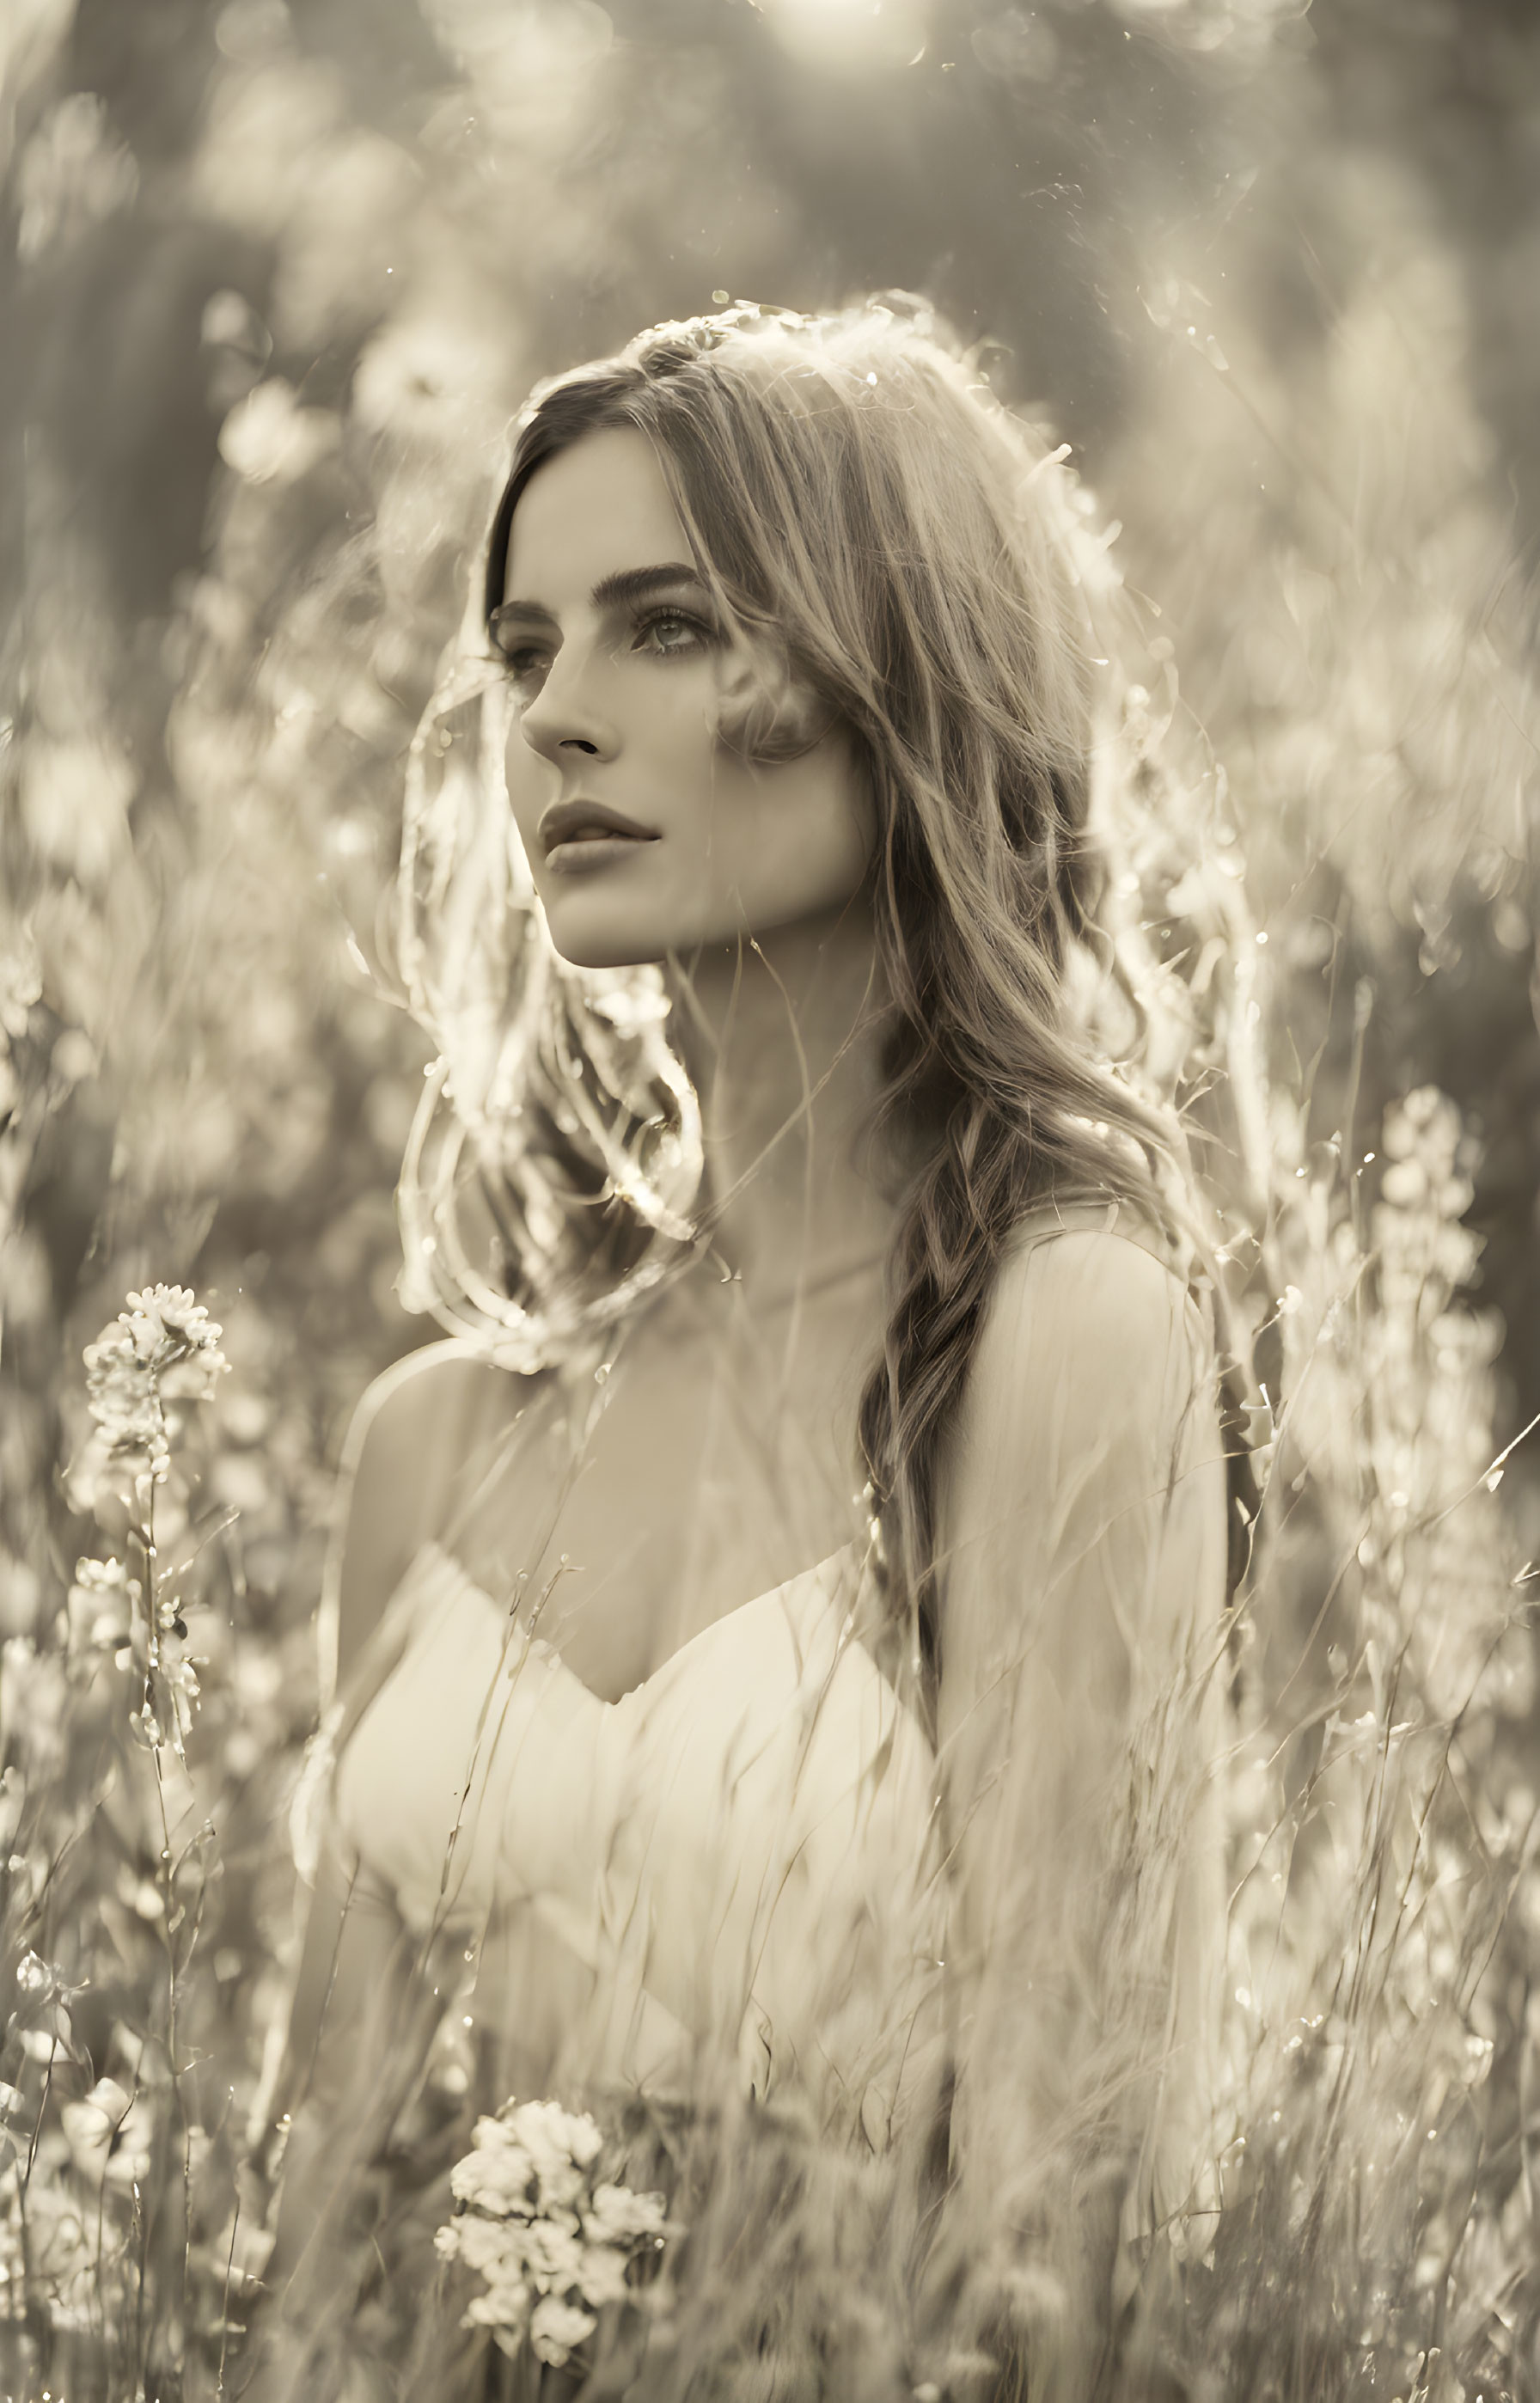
[636, 583]
[627, 584]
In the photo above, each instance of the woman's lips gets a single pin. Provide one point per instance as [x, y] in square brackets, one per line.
[585, 854]
[580, 837]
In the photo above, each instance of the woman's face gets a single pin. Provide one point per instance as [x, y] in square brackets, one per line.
[645, 834]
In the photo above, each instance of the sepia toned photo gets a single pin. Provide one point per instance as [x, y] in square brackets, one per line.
[769, 1202]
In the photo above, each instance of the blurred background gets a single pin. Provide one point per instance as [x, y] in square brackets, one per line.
[273, 280]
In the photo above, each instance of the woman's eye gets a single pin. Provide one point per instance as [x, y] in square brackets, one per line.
[668, 630]
[525, 665]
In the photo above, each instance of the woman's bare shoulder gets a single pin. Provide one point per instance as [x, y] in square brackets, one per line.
[410, 1398]
[1107, 1295]
[1089, 1404]
[1091, 1345]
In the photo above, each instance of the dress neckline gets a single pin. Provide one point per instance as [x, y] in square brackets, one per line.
[433, 1560]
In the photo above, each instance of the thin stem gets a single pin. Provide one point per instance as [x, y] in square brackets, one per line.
[225, 2309]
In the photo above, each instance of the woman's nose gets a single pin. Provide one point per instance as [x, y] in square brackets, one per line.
[566, 718]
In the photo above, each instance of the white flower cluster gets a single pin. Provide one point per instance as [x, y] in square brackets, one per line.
[103, 1602]
[552, 2241]
[163, 1343]
[106, 1614]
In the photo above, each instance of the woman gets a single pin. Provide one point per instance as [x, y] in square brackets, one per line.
[776, 1643]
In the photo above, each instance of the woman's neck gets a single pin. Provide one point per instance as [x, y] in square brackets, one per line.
[781, 1035]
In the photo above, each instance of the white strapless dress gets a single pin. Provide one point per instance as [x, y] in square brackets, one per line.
[741, 1852]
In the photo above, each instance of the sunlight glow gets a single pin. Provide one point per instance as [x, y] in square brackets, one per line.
[841, 34]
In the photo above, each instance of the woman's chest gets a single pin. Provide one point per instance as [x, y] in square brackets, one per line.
[711, 1463]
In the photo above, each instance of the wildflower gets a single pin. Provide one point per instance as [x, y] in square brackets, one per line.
[616, 2216]
[35, 1979]
[181, 1684]
[562, 2145]
[600, 2275]
[485, 2245]
[102, 1604]
[505, 2312]
[163, 1343]
[552, 2255]
[414, 377]
[498, 2176]
[557, 2328]
[91, 2125]
[544, 2128]
[269, 439]
[551, 2242]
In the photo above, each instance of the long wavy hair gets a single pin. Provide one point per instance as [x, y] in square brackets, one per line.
[900, 554]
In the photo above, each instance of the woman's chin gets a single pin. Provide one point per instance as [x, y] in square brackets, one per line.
[595, 938]
[591, 930]
[607, 955]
